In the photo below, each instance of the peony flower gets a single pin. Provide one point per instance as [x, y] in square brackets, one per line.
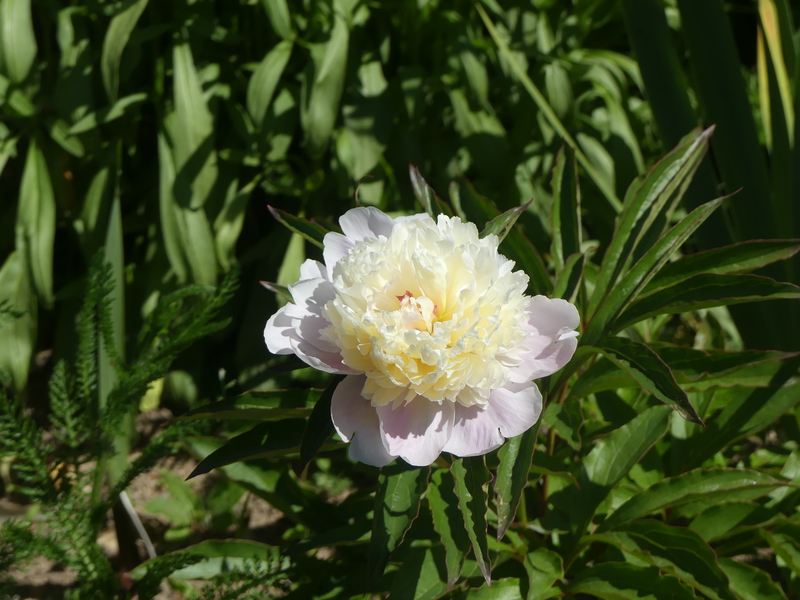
[434, 331]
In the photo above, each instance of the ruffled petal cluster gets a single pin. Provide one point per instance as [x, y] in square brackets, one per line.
[434, 330]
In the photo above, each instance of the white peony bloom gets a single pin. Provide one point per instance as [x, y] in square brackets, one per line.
[432, 326]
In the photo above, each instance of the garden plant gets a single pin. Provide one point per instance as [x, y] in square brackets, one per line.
[487, 300]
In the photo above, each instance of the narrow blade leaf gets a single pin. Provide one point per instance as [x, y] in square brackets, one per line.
[472, 480]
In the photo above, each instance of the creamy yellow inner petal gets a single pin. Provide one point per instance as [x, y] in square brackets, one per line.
[430, 311]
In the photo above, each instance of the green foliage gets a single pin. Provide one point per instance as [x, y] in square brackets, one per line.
[171, 134]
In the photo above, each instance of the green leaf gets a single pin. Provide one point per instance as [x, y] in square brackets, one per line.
[786, 546]
[726, 519]
[566, 211]
[705, 291]
[566, 419]
[677, 550]
[516, 457]
[187, 233]
[59, 132]
[570, 277]
[110, 113]
[648, 199]
[426, 196]
[623, 581]
[472, 480]
[418, 577]
[750, 583]
[15, 99]
[274, 405]
[17, 39]
[265, 439]
[397, 500]
[36, 221]
[320, 426]
[449, 523]
[279, 17]
[706, 486]
[192, 134]
[738, 412]
[310, 231]
[220, 556]
[229, 222]
[117, 36]
[737, 258]
[652, 373]
[502, 224]
[644, 270]
[547, 111]
[323, 84]
[544, 568]
[274, 483]
[265, 79]
[18, 332]
[611, 459]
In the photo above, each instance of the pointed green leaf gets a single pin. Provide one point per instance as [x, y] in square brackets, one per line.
[426, 196]
[569, 278]
[419, 576]
[729, 518]
[279, 17]
[623, 581]
[737, 258]
[502, 224]
[709, 485]
[472, 480]
[566, 212]
[513, 474]
[18, 332]
[117, 36]
[265, 439]
[611, 459]
[786, 546]
[258, 406]
[110, 113]
[397, 500]
[548, 111]
[644, 270]
[323, 86]
[218, 557]
[265, 79]
[649, 197]
[705, 291]
[36, 221]
[738, 412]
[59, 132]
[652, 373]
[449, 523]
[678, 550]
[544, 568]
[320, 425]
[17, 39]
[191, 128]
[229, 222]
[310, 231]
[749, 582]
[566, 420]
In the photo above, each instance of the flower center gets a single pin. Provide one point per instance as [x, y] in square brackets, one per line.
[431, 311]
[417, 313]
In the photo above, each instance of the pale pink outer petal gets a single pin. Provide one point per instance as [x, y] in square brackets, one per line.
[335, 247]
[416, 431]
[515, 407]
[295, 328]
[356, 421]
[475, 432]
[365, 222]
[312, 269]
[551, 342]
